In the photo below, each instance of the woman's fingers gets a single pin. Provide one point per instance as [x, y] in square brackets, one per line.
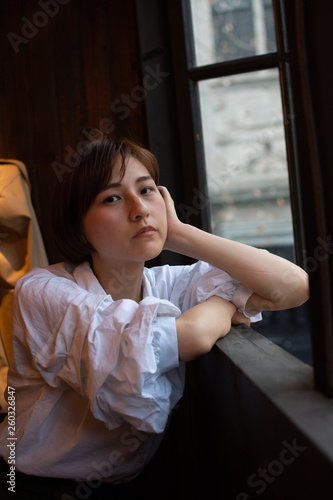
[239, 318]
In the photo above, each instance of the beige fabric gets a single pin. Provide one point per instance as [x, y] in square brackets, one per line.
[21, 244]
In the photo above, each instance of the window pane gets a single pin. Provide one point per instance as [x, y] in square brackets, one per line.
[247, 177]
[231, 29]
[246, 158]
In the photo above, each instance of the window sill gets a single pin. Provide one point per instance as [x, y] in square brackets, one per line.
[285, 380]
[255, 425]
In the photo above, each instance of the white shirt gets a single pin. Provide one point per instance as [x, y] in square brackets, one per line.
[95, 379]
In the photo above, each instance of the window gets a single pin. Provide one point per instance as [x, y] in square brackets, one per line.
[225, 30]
[240, 118]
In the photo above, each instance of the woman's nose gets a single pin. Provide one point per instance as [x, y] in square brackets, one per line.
[139, 209]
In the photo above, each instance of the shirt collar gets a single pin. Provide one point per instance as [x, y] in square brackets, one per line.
[146, 285]
[85, 278]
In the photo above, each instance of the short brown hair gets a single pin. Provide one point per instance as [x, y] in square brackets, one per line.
[80, 186]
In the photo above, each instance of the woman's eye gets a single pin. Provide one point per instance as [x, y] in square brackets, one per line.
[147, 190]
[111, 199]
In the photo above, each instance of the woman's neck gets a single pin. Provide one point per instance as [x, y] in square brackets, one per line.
[123, 281]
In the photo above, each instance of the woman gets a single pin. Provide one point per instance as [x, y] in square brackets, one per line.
[99, 341]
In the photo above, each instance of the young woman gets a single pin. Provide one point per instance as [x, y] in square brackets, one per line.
[99, 341]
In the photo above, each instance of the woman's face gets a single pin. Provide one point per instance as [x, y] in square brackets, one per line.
[127, 221]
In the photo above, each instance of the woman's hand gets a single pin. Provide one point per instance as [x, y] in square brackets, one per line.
[174, 224]
[239, 319]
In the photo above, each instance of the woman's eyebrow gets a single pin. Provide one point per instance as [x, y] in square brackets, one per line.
[143, 178]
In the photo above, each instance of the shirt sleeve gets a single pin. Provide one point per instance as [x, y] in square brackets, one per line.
[121, 355]
[201, 280]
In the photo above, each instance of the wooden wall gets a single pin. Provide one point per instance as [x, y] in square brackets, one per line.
[65, 65]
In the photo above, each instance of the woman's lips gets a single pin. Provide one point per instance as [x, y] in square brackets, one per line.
[145, 232]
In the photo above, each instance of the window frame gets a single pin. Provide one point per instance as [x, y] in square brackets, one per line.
[305, 169]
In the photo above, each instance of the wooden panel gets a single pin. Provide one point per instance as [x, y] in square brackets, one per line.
[68, 74]
[94, 60]
[42, 110]
[125, 68]
[74, 62]
[14, 96]
[315, 49]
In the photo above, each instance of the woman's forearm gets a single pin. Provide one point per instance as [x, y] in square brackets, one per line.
[279, 282]
[276, 282]
[201, 326]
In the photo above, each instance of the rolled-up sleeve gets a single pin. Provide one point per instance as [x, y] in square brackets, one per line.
[203, 280]
[141, 385]
[122, 356]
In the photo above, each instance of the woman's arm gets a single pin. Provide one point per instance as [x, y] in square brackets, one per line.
[202, 325]
[277, 283]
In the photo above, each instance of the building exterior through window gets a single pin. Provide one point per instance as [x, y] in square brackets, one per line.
[244, 144]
